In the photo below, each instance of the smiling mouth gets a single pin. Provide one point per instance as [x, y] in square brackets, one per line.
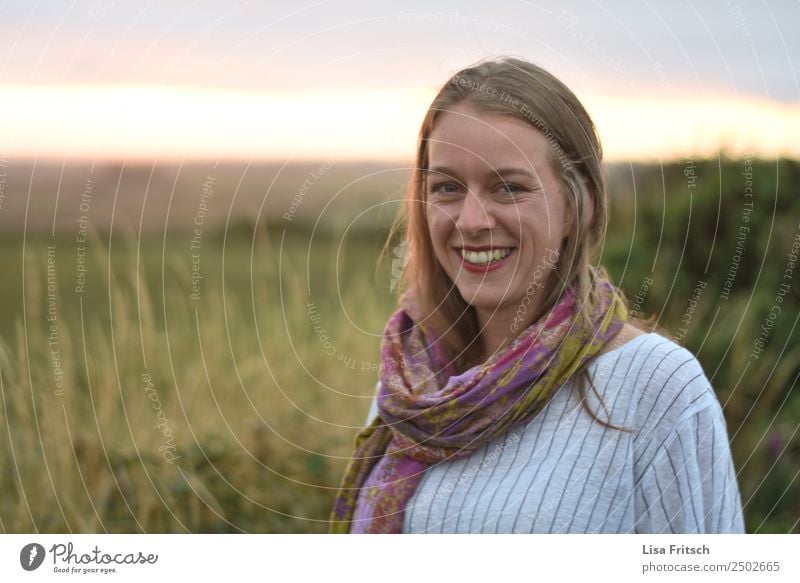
[485, 257]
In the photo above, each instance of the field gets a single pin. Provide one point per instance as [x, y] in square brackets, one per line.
[160, 375]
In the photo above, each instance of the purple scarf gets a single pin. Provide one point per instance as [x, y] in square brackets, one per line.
[429, 414]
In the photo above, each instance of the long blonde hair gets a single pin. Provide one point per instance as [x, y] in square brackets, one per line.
[525, 91]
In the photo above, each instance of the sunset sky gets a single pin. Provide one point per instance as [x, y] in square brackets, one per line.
[208, 79]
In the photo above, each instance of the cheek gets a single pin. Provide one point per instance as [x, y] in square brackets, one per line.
[549, 224]
[440, 224]
[525, 223]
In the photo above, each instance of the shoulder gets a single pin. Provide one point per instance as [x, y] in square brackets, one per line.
[671, 378]
[664, 373]
[653, 362]
[667, 386]
[661, 380]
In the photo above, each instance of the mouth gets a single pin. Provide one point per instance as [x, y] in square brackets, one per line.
[479, 260]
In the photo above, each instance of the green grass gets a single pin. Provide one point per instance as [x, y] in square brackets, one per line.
[261, 417]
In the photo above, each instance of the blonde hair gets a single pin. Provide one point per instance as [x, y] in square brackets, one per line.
[523, 90]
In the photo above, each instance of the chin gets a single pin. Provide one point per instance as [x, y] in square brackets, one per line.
[485, 299]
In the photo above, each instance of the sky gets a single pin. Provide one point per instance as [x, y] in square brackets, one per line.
[352, 79]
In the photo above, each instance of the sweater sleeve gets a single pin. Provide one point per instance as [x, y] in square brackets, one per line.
[690, 483]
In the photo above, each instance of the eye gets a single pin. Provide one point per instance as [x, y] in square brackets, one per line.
[446, 188]
[512, 189]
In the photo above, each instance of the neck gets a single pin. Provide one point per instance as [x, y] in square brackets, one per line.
[499, 329]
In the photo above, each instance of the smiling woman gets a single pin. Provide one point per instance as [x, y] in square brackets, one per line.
[493, 206]
[482, 421]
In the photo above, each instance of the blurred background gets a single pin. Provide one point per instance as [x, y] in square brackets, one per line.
[193, 197]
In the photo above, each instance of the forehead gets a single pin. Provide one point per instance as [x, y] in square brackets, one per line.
[466, 135]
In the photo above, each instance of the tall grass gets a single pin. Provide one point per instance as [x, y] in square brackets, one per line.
[218, 415]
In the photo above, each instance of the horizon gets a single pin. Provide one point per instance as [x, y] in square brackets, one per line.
[39, 196]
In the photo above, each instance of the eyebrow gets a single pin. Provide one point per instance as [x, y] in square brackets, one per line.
[511, 171]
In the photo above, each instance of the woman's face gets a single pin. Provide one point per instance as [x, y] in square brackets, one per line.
[495, 212]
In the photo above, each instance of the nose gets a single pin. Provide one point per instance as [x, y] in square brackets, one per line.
[474, 215]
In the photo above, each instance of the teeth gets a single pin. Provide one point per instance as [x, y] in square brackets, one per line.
[484, 257]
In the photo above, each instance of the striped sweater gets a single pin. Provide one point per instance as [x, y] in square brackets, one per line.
[562, 472]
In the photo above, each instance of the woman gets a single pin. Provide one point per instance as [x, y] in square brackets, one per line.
[482, 421]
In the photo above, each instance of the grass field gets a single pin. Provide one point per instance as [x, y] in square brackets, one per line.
[139, 397]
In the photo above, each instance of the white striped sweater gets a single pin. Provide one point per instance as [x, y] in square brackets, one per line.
[562, 472]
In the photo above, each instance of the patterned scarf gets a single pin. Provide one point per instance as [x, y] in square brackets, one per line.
[429, 414]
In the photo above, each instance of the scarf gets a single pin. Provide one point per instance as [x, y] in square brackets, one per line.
[428, 413]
